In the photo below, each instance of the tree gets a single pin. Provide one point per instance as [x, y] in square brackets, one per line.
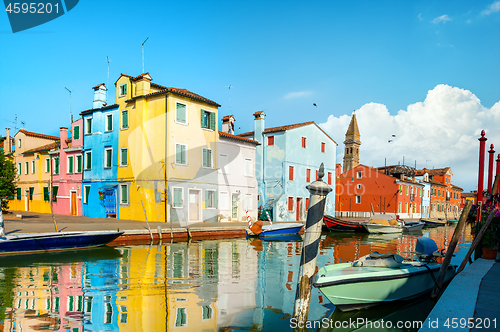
[7, 180]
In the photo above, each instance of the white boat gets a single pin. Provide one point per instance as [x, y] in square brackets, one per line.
[383, 223]
[278, 229]
[381, 278]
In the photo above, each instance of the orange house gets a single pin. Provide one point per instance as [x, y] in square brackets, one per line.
[363, 190]
[445, 197]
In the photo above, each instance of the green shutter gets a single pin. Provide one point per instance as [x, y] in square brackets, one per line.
[125, 119]
[109, 122]
[54, 193]
[57, 166]
[46, 193]
[212, 120]
[18, 192]
[108, 158]
[76, 132]
[202, 113]
[86, 193]
[178, 154]
[181, 113]
[70, 164]
[89, 160]
[204, 158]
[124, 198]
[78, 164]
[32, 189]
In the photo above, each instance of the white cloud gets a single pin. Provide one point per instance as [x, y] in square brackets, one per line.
[420, 17]
[298, 94]
[442, 18]
[494, 7]
[442, 130]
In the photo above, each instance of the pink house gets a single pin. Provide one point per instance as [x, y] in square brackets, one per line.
[67, 167]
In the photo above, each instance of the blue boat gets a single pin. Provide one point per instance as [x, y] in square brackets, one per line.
[60, 241]
[279, 229]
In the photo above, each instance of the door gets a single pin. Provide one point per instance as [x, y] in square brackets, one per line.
[194, 205]
[234, 207]
[298, 211]
[73, 204]
[110, 202]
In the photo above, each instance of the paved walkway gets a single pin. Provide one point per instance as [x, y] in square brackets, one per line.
[473, 293]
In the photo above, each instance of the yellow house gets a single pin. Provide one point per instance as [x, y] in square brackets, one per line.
[31, 157]
[159, 124]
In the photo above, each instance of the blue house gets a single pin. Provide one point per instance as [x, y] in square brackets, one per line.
[100, 155]
[286, 161]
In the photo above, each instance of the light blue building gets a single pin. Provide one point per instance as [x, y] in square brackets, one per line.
[100, 161]
[426, 195]
[286, 161]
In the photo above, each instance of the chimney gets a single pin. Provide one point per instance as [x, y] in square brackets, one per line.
[7, 146]
[228, 124]
[63, 135]
[99, 96]
[143, 84]
[338, 170]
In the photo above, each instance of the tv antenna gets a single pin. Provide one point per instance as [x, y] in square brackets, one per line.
[14, 122]
[144, 42]
[229, 87]
[107, 80]
[71, 114]
[22, 124]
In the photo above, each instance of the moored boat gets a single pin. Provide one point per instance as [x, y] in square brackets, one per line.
[383, 223]
[56, 241]
[433, 222]
[278, 229]
[339, 225]
[410, 226]
[380, 278]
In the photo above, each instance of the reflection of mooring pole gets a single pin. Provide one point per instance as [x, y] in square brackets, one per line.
[318, 190]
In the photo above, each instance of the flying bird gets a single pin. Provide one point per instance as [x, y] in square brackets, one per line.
[314, 104]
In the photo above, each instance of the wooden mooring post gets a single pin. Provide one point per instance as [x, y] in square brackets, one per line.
[318, 190]
[451, 249]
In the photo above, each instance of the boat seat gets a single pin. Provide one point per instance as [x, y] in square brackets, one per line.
[379, 260]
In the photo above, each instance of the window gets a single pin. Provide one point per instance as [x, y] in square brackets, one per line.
[79, 163]
[249, 202]
[308, 175]
[109, 122]
[359, 174]
[178, 193]
[358, 186]
[248, 167]
[210, 199]
[307, 204]
[124, 194]
[124, 314]
[290, 173]
[55, 189]
[46, 196]
[224, 201]
[47, 165]
[290, 203]
[76, 132]
[181, 317]
[122, 90]
[358, 199]
[108, 318]
[399, 207]
[180, 154]
[406, 208]
[32, 167]
[206, 312]
[124, 157]
[207, 120]
[88, 160]
[26, 167]
[88, 126]
[31, 190]
[18, 193]
[19, 143]
[180, 113]
[207, 157]
[108, 155]
[270, 140]
[406, 190]
[223, 165]
[304, 142]
[86, 192]
[124, 119]
[323, 147]
[330, 176]
[19, 168]
[71, 160]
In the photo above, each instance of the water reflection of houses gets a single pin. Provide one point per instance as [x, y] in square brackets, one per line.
[46, 298]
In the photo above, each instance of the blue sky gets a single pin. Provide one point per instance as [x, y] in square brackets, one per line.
[278, 56]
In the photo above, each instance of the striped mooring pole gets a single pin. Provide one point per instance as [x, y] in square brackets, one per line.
[318, 190]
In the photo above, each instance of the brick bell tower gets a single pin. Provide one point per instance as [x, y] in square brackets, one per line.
[352, 143]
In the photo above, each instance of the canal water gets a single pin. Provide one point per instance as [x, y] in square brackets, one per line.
[210, 285]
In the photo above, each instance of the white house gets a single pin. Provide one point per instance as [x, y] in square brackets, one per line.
[238, 187]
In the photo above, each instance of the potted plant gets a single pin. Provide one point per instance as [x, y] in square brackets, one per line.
[490, 243]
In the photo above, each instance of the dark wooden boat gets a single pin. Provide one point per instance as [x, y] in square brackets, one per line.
[339, 225]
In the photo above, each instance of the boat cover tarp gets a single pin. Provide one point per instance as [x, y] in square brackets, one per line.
[383, 219]
[379, 260]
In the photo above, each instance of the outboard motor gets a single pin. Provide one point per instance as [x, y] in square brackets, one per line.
[427, 248]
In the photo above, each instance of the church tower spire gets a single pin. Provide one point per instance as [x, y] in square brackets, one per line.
[352, 143]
